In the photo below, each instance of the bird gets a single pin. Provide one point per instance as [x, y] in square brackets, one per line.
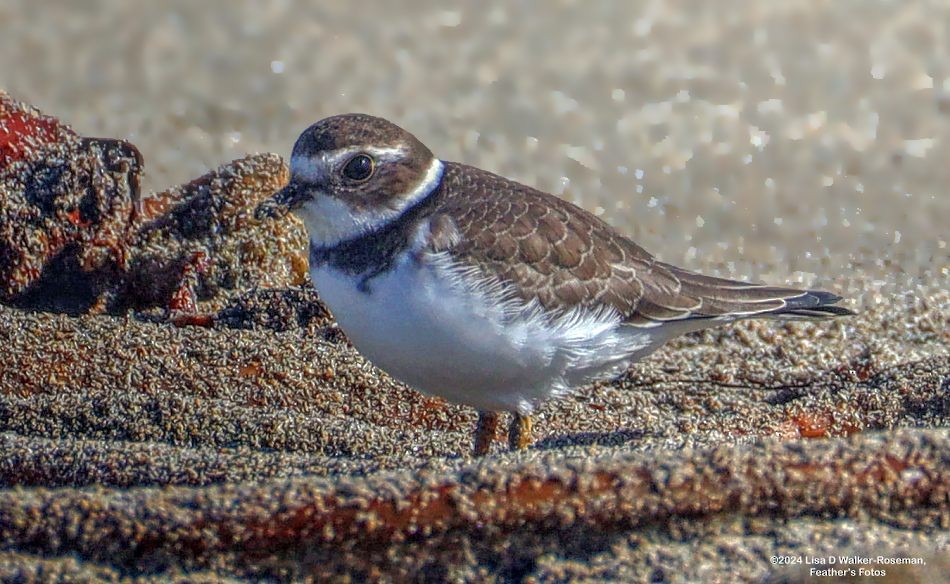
[483, 291]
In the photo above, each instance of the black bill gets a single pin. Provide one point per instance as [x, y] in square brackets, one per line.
[284, 201]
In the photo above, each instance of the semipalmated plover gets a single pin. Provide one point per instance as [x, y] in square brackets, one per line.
[486, 292]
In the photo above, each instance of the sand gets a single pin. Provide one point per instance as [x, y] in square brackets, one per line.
[795, 142]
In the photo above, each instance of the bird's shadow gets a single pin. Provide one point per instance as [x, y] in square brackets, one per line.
[615, 438]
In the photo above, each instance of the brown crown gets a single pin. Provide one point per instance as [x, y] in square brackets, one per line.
[348, 130]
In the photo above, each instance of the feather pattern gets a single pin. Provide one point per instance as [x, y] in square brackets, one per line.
[482, 290]
[563, 257]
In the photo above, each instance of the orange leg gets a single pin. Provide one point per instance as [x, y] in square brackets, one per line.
[485, 432]
[519, 432]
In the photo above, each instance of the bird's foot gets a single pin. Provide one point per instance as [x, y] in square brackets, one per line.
[519, 433]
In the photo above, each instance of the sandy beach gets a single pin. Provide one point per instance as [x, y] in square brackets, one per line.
[797, 143]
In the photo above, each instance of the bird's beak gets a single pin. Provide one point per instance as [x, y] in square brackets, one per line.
[285, 200]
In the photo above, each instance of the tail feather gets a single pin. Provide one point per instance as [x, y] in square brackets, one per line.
[674, 295]
[813, 304]
[728, 299]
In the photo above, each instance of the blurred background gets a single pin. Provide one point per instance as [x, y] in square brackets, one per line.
[801, 141]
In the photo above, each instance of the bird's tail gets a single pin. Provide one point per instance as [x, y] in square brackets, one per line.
[732, 300]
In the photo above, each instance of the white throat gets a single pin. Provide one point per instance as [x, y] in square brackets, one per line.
[330, 220]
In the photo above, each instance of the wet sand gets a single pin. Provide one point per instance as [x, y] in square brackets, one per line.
[794, 143]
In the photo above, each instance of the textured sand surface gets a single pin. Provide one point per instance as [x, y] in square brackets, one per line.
[289, 455]
[794, 142]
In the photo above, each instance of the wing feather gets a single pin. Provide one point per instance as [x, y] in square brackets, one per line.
[548, 251]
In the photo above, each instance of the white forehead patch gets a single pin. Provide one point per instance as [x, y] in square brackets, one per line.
[330, 220]
[311, 169]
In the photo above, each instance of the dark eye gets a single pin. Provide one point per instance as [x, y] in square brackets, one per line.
[360, 167]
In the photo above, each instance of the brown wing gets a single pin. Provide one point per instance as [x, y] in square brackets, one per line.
[547, 249]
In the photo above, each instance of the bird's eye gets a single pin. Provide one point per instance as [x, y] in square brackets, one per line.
[360, 167]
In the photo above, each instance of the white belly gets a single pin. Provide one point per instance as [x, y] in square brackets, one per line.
[442, 336]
